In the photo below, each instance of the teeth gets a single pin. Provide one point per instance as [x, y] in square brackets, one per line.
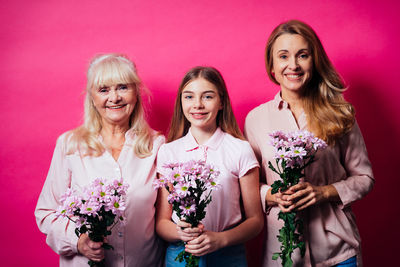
[293, 76]
[115, 107]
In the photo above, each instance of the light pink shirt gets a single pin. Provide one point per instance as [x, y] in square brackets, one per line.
[231, 156]
[135, 244]
[331, 232]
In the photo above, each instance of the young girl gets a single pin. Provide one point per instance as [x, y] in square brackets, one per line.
[203, 128]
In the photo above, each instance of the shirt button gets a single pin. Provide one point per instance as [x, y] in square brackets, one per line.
[120, 234]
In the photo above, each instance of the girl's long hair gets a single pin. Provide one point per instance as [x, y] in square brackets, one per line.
[108, 70]
[225, 119]
[329, 115]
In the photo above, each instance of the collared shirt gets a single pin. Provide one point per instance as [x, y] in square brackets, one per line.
[231, 156]
[135, 243]
[331, 233]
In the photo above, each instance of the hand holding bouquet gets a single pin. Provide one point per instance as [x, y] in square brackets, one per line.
[96, 211]
[293, 153]
[189, 186]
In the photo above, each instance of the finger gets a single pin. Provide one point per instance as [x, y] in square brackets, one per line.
[95, 245]
[183, 224]
[304, 202]
[192, 230]
[283, 200]
[298, 187]
[300, 194]
[196, 241]
[197, 250]
[307, 204]
[285, 209]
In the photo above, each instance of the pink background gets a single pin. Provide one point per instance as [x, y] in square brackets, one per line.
[46, 47]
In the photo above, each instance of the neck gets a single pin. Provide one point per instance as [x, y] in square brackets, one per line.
[202, 135]
[114, 132]
[294, 99]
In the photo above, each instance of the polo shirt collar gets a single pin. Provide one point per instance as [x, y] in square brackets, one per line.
[213, 143]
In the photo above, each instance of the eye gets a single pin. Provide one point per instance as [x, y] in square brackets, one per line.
[283, 56]
[303, 56]
[103, 89]
[187, 97]
[208, 97]
[122, 87]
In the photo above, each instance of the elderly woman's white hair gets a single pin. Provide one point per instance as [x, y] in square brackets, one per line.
[108, 70]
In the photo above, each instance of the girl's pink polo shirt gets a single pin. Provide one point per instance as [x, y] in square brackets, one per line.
[231, 156]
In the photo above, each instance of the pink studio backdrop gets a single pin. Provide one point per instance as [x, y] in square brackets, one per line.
[46, 47]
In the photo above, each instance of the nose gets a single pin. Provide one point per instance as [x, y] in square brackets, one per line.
[198, 102]
[293, 64]
[114, 96]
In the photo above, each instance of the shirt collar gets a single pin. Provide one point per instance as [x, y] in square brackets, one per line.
[213, 143]
[279, 102]
[130, 136]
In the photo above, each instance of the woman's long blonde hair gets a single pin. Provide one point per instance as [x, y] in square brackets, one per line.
[329, 115]
[225, 118]
[108, 70]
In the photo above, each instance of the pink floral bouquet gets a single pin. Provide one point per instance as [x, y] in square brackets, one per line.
[96, 211]
[293, 153]
[189, 185]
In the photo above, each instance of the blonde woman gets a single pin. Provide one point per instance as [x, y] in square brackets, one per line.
[114, 142]
[310, 98]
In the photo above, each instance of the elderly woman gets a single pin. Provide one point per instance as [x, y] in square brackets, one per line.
[311, 98]
[114, 142]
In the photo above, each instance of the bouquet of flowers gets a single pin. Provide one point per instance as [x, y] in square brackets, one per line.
[293, 153]
[96, 211]
[187, 184]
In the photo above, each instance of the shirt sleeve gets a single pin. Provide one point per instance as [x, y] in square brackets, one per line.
[162, 158]
[355, 160]
[250, 136]
[247, 160]
[60, 232]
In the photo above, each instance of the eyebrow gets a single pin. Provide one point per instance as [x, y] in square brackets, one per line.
[205, 92]
[301, 50]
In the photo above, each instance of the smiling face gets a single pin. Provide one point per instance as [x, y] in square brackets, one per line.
[115, 104]
[201, 104]
[292, 63]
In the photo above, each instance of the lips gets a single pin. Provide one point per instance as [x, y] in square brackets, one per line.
[116, 106]
[294, 76]
[199, 115]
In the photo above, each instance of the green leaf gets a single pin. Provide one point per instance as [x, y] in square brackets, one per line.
[275, 256]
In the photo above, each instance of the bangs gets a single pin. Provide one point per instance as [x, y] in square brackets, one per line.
[112, 71]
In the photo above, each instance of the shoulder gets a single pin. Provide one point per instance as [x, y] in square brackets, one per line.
[260, 111]
[157, 138]
[241, 146]
[171, 146]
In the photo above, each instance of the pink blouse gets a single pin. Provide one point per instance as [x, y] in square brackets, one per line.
[231, 156]
[331, 232]
[135, 243]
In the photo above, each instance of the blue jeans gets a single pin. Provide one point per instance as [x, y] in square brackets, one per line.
[234, 256]
[352, 262]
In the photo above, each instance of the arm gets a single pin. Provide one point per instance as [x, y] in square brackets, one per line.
[360, 178]
[60, 235]
[358, 183]
[265, 189]
[60, 232]
[250, 227]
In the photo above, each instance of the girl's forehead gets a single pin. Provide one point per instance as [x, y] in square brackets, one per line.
[200, 85]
